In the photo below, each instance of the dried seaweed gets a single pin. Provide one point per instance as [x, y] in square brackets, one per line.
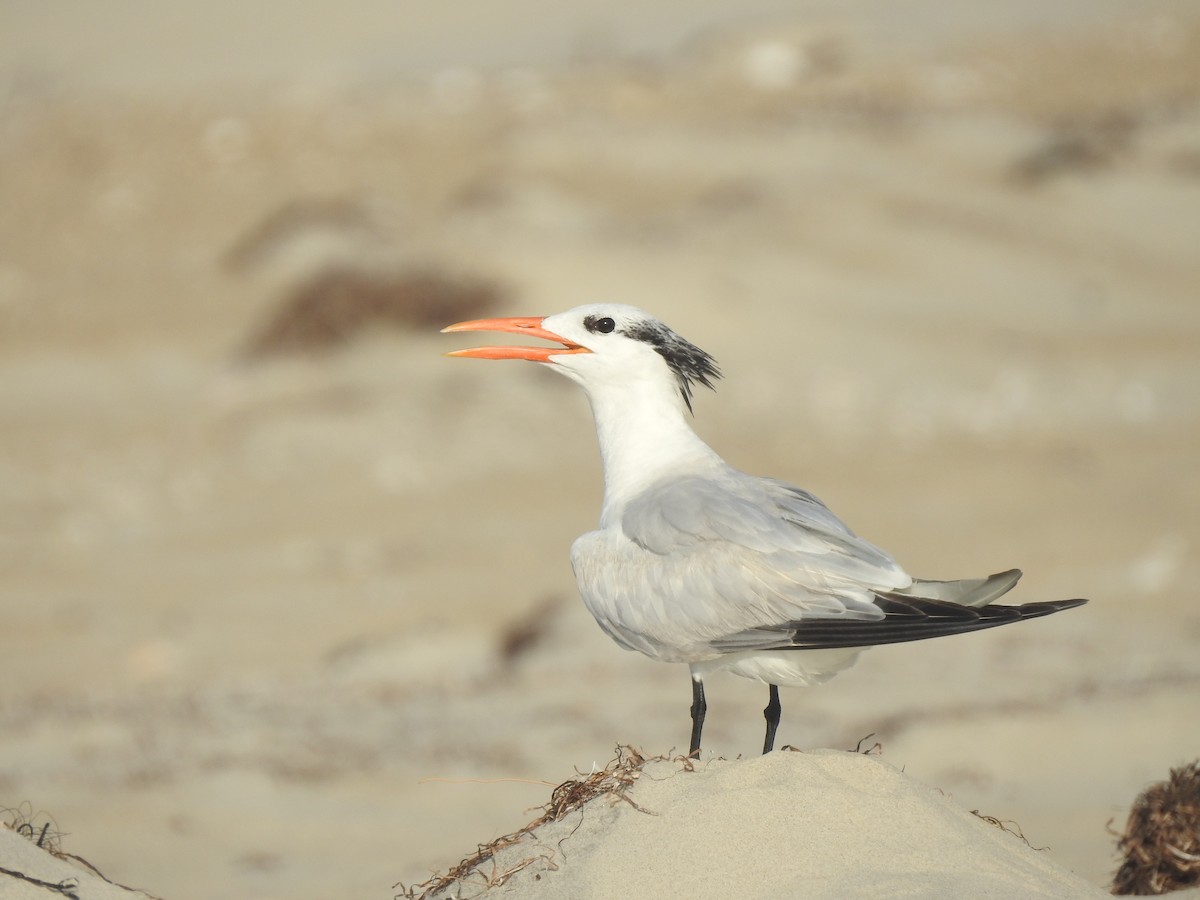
[1078, 146]
[528, 631]
[342, 302]
[613, 780]
[24, 821]
[875, 748]
[1007, 825]
[1161, 842]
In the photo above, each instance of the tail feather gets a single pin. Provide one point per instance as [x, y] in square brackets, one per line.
[965, 592]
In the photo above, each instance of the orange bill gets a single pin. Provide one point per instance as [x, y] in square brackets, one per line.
[528, 326]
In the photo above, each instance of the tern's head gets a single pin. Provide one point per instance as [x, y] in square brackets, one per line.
[604, 346]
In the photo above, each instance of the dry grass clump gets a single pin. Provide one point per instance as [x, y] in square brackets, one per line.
[341, 302]
[24, 821]
[613, 780]
[1006, 825]
[42, 830]
[1161, 842]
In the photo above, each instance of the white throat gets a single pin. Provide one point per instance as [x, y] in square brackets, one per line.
[644, 436]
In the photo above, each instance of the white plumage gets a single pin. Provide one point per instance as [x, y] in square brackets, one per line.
[696, 562]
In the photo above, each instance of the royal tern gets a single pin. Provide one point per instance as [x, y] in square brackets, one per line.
[696, 562]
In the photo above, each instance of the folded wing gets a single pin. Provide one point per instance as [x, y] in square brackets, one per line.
[699, 558]
[905, 619]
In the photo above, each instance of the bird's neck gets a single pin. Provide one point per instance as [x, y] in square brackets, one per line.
[642, 440]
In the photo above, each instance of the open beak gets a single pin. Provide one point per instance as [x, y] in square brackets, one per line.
[531, 327]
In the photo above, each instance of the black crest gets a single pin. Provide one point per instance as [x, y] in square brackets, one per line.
[690, 364]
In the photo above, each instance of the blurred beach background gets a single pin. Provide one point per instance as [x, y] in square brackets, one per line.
[285, 605]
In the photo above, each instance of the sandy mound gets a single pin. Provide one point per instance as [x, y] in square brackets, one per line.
[32, 872]
[817, 824]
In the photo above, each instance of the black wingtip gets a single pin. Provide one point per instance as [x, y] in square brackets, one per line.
[912, 619]
[1033, 610]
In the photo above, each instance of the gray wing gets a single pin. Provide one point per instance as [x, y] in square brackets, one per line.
[792, 532]
[699, 559]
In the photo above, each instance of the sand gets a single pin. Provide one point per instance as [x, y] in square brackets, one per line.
[820, 824]
[304, 624]
[32, 872]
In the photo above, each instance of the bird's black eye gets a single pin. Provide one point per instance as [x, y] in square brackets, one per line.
[603, 325]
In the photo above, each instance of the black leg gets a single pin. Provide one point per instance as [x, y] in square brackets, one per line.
[699, 707]
[771, 713]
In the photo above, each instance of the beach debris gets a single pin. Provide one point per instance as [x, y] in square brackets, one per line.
[24, 821]
[1007, 825]
[46, 835]
[614, 780]
[340, 302]
[875, 747]
[1078, 146]
[1161, 842]
[525, 633]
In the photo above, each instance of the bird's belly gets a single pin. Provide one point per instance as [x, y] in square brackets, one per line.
[794, 668]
